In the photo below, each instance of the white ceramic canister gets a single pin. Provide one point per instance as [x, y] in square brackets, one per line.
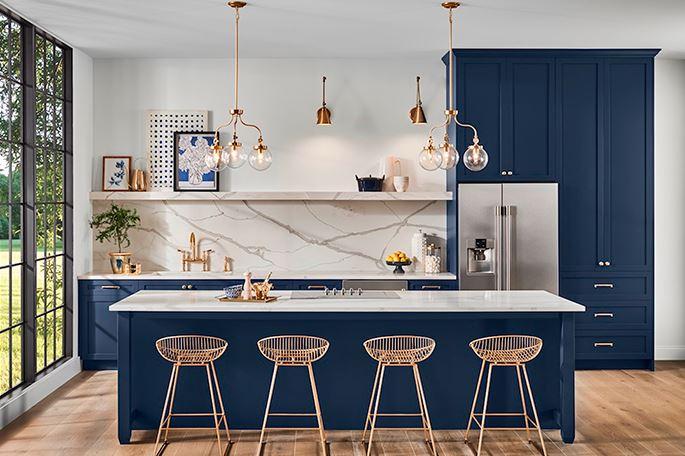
[419, 242]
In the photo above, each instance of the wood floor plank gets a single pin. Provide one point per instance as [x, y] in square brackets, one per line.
[619, 413]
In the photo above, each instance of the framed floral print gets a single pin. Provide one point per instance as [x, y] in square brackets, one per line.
[116, 173]
[191, 172]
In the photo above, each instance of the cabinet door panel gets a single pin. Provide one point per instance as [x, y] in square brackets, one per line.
[628, 193]
[479, 100]
[529, 145]
[579, 115]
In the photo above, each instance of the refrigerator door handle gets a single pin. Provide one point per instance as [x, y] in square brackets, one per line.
[508, 235]
[499, 246]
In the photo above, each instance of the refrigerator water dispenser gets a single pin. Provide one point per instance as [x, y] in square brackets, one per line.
[480, 257]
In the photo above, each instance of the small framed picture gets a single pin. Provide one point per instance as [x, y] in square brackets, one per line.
[191, 172]
[116, 173]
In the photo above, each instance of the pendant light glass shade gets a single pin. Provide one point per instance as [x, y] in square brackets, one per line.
[430, 157]
[260, 157]
[236, 154]
[323, 115]
[450, 156]
[475, 158]
[217, 159]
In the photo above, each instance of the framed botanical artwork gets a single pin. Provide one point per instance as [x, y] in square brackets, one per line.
[191, 172]
[116, 173]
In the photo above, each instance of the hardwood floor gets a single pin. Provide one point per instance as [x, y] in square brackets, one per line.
[619, 413]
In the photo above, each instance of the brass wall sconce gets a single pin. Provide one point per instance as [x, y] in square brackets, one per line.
[416, 113]
[323, 115]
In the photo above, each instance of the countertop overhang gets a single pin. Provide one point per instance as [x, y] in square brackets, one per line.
[277, 275]
[411, 301]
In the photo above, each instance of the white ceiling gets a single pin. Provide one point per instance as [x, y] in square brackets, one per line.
[353, 28]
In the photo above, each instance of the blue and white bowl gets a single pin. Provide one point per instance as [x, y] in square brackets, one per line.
[233, 292]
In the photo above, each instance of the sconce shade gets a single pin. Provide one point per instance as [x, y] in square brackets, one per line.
[417, 115]
[323, 116]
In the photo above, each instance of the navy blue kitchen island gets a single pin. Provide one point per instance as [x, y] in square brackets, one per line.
[345, 375]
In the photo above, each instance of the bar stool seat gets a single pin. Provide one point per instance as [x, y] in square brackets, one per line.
[192, 351]
[399, 351]
[293, 351]
[511, 351]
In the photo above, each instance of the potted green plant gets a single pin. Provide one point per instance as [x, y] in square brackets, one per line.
[112, 226]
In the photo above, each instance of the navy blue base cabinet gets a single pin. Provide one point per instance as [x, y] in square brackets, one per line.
[98, 326]
[584, 119]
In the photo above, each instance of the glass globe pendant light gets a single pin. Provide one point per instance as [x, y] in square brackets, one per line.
[234, 155]
[475, 158]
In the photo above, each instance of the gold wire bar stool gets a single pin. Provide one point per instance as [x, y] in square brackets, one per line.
[398, 351]
[192, 351]
[293, 351]
[511, 351]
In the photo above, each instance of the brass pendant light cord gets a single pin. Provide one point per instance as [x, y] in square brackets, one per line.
[418, 91]
[324, 91]
[451, 64]
[235, 85]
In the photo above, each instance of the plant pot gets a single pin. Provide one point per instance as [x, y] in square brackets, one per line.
[119, 261]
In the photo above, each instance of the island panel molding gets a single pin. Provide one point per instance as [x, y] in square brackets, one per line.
[288, 236]
[271, 196]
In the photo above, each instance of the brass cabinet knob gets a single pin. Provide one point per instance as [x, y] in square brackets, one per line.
[504, 173]
[190, 286]
[184, 287]
[601, 263]
[607, 263]
[510, 173]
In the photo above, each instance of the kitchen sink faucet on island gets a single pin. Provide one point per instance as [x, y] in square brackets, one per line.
[451, 318]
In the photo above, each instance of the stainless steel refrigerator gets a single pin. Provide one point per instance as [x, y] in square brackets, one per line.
[508, 237]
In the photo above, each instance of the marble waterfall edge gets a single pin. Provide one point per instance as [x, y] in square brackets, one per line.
[278, 235]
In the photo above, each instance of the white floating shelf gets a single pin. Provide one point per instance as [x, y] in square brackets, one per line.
[270, 196]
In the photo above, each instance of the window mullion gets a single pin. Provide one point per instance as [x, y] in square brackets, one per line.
[29, 198]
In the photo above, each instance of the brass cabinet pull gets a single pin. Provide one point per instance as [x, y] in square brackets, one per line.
[110, 287]
[316, 287]
[604, 314]
[604, 344]
[604, 285]
[431, 287]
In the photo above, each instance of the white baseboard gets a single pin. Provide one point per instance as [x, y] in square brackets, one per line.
[673, 353]
[33, 394]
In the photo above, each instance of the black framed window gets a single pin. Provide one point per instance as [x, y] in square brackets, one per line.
[35, 202]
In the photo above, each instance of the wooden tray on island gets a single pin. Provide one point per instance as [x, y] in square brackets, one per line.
[262, 301]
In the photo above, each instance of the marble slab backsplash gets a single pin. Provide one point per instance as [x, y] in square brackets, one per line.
[278, 235]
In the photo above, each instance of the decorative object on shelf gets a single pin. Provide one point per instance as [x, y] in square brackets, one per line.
[161, 126]
[247, 286]
[261, 290]
[399, 182]
[188, 257]
[116, 173]
[370, 184]
[191, 172]
[432, 260]
[113, 226]
[445, 156]
[419, 244]
[233, 292]
[227, 264]
[138, 177]
[416, 113]
[323, 114]
[387, 168]
[220, 157]
[398, 259]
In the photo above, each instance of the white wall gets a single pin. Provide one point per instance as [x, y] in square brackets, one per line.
[669, 271]
[370, 100]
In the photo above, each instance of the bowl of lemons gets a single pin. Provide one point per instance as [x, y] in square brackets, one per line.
[398, 259]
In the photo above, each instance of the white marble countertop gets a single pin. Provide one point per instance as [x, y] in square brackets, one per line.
[277, 275]
[409, 301]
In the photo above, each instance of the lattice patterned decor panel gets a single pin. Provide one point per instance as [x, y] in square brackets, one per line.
[161, 126]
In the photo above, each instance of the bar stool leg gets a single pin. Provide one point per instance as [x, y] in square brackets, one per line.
[164, 410]
[421, 409]
[317, 407]
[417, 377]
[171, 402]
[221, 402]
[268, 407]
[485, 410]
[523, 401]
[373, 394]
[475, 401]
[375, 411]
[535, 412]
[214, 414]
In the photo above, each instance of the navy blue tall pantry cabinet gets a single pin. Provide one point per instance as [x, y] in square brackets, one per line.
[584, 119]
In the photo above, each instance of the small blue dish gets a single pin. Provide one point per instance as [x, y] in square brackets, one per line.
[233, 292]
